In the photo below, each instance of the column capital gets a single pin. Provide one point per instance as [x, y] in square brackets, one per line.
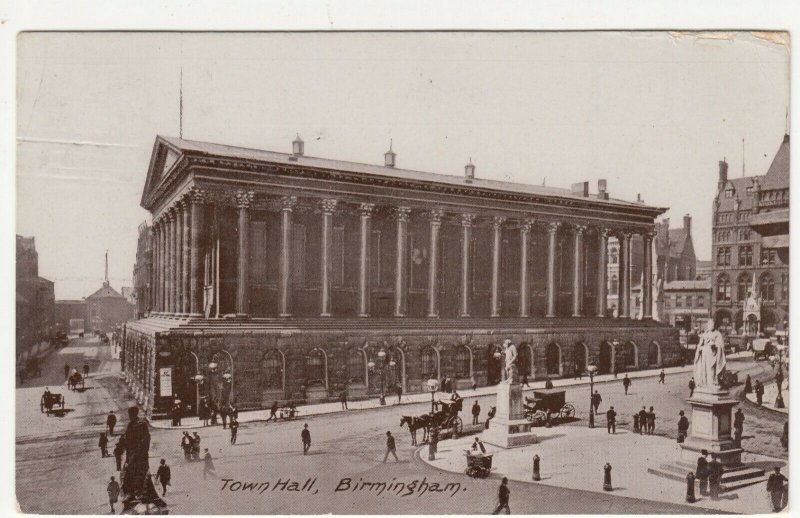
[553, 226]
[435, 216]
[169, 214]
[624, 235]
[603, 231]
[196, 195]
[328, 205]
[183, 203]
[579, 229]
[402, 213]
[288, 203]
[527, 225]
[498, 221]
[244, 199]
[468, 219]
[366, 209]
[648, 235]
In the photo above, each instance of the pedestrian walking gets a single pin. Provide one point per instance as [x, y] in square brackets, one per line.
[390, 447]
[223, 413]
[233, 412]
[548, 384]
[176, 413]
[113, 493]
[85, 369]
[714, 478]
[111, 422]
[66, 371]
[305, 435]
[234, 426]
[661, 376]
[738, 427]
[474, 385]
[701, 473]
[779, 379]
[119, 450]
[776, 487]
[273, 412]
[692, 386]
[759, 392]
[196, 446]
[208, 465]
[683, 427]
[626, 383]
[103, 443]
[651, 421]
[642, 421]
[186, 446]
[748, 385]
[202, 411]
[476, 412]
[611, 418]
[343, 399]
[596, 400]
[503, 496]
[399, 390]
[163, 476]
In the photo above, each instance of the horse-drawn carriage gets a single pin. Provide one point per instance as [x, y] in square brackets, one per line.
[547, 402]
[50, 400]
[76, 379]
[445, 418]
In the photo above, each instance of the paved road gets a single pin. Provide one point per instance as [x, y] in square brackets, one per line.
[66, 461]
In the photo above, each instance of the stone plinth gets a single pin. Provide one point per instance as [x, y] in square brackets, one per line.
[711, 427]
[509, 428]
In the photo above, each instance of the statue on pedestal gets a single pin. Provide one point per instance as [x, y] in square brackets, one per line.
[709, 358]
[510, 353]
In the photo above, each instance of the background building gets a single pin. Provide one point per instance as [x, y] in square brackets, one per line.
[106, 309]
[71, 316]
[687, 304]
[704, 270]
[143, 271]
[281, 276]
[35, 297]
[751, 246]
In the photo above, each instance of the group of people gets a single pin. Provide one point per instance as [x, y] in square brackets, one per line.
[644, 421]
[207, 411]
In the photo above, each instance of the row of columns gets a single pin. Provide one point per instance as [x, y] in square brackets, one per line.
[178, 281]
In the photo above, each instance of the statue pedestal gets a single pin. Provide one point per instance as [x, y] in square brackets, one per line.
[509, 428]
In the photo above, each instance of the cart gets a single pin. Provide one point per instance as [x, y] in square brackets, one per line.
[478, 465]
[49, 400]
[546, 402]
[762, 348]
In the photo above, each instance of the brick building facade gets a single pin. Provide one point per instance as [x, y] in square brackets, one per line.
[35, 297]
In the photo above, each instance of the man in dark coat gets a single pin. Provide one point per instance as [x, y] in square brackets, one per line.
[186, 446]
[137, 448]
[651, 421]
[683, 427]
[748, 385]
[343, 399]
[476, 411]
[103, 443]
[390, 447]
[776, 489]
[692, 386]
[305, 435]
[611, 418]
[715, 477]
[596, 399]
[66, 371]
[626, 383]
[738, 426]
[701, 473]
[548, 384]
[119, 450]
[759, 392]
[223, 413]
[399, 390]
[503, 495]
[661, 376]
[234, 426]
[273, 412]
[111, 422]
[163, 476]
[642, 421]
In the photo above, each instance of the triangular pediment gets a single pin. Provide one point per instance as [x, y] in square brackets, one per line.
[165, 155]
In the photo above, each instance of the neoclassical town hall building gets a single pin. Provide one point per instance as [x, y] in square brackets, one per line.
[285, 277]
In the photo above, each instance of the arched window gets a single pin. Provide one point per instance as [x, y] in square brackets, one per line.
[614, 284]
[743, 286]
[273, 370]
[462, 362]
[355, 366]
[315, 366]
[630, 355]
[524, 360]
[552, 359]
[654, 354]
[723, 288]
[767, 287]
[429, 369]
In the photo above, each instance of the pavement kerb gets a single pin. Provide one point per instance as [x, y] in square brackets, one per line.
[770, 393]
[418, 398]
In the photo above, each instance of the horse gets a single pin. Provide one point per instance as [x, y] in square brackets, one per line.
[414, 424]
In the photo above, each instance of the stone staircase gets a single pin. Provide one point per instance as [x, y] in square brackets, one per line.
[733, 477]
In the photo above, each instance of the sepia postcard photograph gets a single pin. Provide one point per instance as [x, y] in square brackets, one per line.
[387, 272]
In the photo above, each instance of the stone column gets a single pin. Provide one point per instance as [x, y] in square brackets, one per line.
[401, 264]
[244, 200]
[154, 243]
[364, 276]
[328, 207]
[552, 289]
[179, 212]
[285, 282]
[176, 259]
[624, 274]
[436, 216]
[602, 268]
[169, 261]
[497, 242]
[163, 260]
[577, 272]
[196, 274]
[647, 277]
[467, 222]
[186, 249]
[524, 289]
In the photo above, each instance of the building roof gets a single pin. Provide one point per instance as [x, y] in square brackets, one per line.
[777, 176]
[677, 241]
[65, 302]
[106, 292]
[703, 285]
[739, 186]
[206, 148]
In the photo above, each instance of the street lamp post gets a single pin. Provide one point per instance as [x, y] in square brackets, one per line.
[381, 367]
[592, 370]
[433, 385]
[498, 358]
[198, 380]
[779, 403]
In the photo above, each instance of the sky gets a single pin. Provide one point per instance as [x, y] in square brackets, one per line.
[652, 113]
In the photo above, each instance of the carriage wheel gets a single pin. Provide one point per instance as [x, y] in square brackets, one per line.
[459, 424]
[567, 411]
[539, 418]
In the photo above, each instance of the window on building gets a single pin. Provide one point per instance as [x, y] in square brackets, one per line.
[743, 286]
[668, 301]
[744, 235]
[769, 257]
[723, 288]
[614, 285]
[429, 368]
[678, 301]
[356, 366]
[723, 256]
[462, 362]
[701, 301]
[745, 256]
[688, 301]
[749, 191]
[767, 287]
[273, 370]
[315, 366]
[729, 193]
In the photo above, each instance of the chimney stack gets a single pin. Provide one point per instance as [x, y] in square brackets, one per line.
[723, 174]
[687, 224]
[298, 146]
[601, 190]
[389, 156]
[639, 198]
[580, 189]
[469, 171]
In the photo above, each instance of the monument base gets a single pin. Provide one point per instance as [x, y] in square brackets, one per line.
[509, 428]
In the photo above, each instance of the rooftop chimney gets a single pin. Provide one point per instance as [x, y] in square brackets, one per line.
[723, 174]
[580, 189]
[639, 198]
[601, 190]
[298, 146]
[389, 156]
[469, 171]
[687, 224]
